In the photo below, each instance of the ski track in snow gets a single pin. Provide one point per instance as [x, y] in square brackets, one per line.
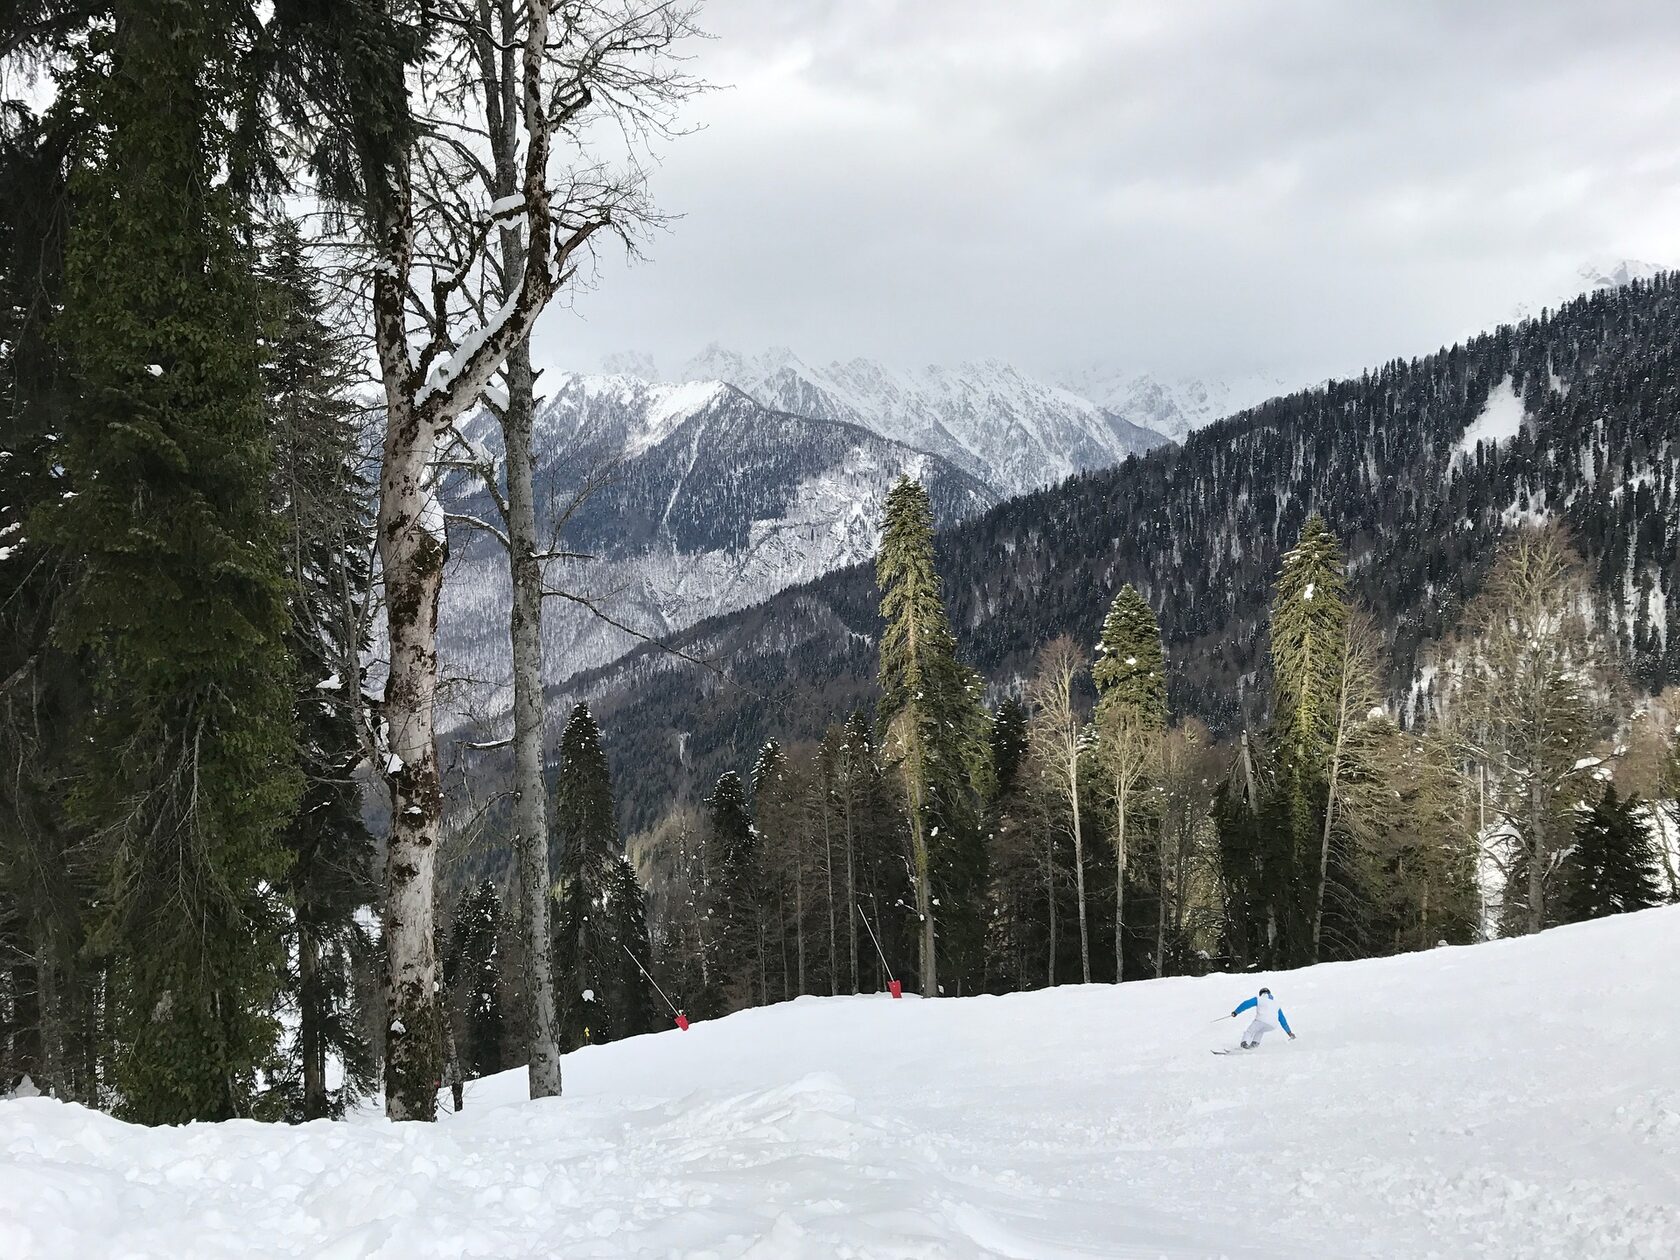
[1515, 1099]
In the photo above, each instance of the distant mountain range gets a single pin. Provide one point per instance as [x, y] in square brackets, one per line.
[708, 501]
[1420, 465]
[1010, 430]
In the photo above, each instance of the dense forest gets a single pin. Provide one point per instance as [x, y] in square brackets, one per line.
[1200, 530]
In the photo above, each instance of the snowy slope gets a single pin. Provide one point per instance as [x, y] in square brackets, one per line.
[1175, 407]
[1510, 1099]
[1011, 430]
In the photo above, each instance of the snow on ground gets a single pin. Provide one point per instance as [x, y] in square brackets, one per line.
[1517, 1098]
[1501, 419]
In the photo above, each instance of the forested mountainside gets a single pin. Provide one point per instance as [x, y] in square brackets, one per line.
[706, 502]
[1418, 465]
[990, 419]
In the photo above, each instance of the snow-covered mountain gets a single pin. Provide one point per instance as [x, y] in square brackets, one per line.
[1011, 430]
[1598, 275]
[707, 502]
[1173, 407]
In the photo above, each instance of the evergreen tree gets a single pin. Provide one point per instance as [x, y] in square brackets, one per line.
[1008, 742]
[1613, 868]
[585, 854]
[322, 501]
[1131, 679]
[1309, 624]
[472, 974]
[930, 711]
[733, 912]
[630, 1003]
[1131, 669]
[188, 760]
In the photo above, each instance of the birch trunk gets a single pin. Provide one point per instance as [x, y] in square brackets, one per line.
[530, 796]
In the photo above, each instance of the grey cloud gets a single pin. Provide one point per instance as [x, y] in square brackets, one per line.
[1212, 189]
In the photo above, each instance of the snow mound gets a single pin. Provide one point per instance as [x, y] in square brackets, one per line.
[1501, 419]
[1510, 1099]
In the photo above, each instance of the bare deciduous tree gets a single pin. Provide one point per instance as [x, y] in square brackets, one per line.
[1057, 733]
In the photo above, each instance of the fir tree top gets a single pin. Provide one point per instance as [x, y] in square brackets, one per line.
[1131, 666]
[583, 824]
[1309, 622]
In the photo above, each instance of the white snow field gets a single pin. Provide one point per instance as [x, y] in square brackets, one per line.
[1520, 1098]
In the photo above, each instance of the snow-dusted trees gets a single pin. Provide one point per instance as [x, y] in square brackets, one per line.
[601, 907]
[473, 979]
[1613, 866]
[933, 724]
[607, 63]
[1524, 699]
[453, 295]
[325, 508]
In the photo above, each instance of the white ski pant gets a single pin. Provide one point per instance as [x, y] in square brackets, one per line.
[1258, 1029]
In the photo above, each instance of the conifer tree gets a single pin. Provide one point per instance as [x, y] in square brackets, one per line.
[586, 853]
[934, 725]
[1613, 868]
[188, 761]
[472, 973]
[629, 999]
[324, 505]
[1309, 624]
[1131, 679]
[733, 915]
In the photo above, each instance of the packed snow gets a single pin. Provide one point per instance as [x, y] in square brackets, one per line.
[1517, 1098]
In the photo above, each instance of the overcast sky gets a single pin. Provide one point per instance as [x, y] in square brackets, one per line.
[1207, 189]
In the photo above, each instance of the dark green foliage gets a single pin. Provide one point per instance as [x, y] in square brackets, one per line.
[472, 974]
[734, 941]
[1613, 866]
[934, 730]
[601, 907]
[323, 504]
[47, 985]
[1131, 666]
[187, 774]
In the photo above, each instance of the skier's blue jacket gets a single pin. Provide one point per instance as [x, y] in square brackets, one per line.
[1253, 1002]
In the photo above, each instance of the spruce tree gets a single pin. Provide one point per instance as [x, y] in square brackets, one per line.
[733, 912]
[1309, 625]
[629, 999]
[1131, 680]
[934, 727]
[585, 852]
[472, 974]
[188, 761]
[324, 506]
[1613, 868]
[1130, 669]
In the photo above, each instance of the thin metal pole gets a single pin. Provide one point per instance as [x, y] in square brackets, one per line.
[650, 979]
[876, 940]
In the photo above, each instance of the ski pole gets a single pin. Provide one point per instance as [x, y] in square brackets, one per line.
[892, 981]
[682, 1020]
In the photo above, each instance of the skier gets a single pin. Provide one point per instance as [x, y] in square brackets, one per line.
[1268, 1015]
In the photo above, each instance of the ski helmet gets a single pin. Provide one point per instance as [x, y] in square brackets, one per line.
[1266, 992]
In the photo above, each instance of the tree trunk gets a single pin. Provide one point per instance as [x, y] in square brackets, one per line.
[1120, 886]
[412, 551]
[833, 940]
[1050, 891]
[1324, 844]
[851, 894]
[924, 896]
[310, 1041]
[530, 795]
[1537, 853]
[1079, 868]
[1161, 902]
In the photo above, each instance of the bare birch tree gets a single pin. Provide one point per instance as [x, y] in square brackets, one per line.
[434, 261]
[1348, 739]
[1057, 733]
